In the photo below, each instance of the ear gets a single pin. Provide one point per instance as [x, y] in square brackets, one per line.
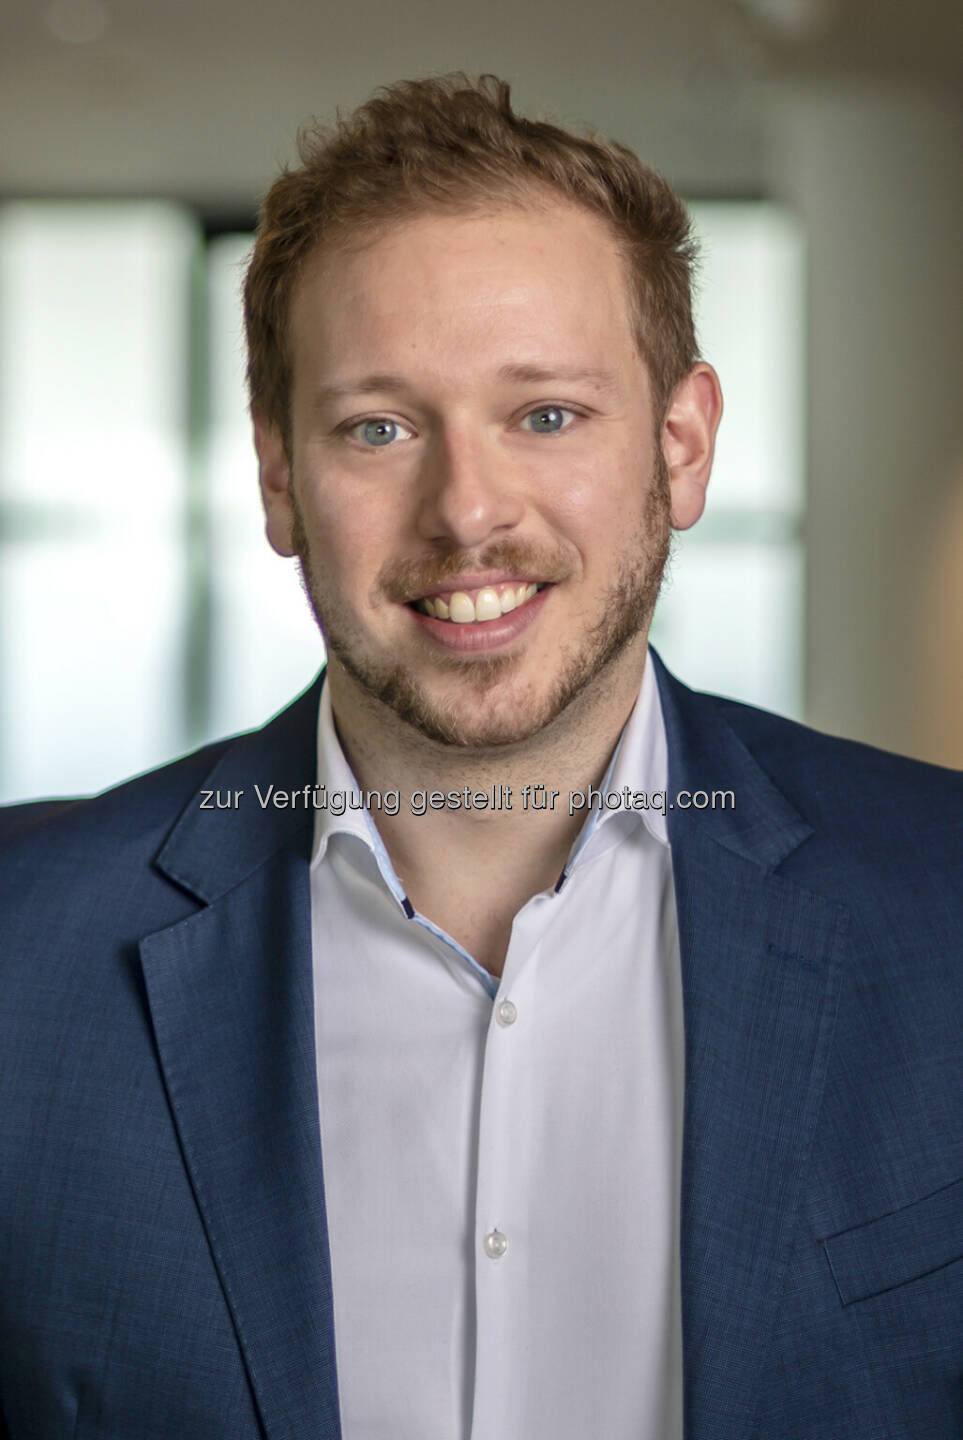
[274, 473]
[688, 442]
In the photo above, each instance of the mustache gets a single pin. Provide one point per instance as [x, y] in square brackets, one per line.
[408, 579]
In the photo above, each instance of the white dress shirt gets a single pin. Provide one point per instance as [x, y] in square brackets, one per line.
[502, 1157]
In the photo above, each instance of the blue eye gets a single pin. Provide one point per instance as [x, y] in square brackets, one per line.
[379, 432]
[549, 419]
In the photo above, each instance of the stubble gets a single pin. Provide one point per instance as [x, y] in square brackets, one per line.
[625, 612]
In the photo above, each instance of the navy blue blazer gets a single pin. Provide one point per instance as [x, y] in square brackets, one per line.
[164, 1267]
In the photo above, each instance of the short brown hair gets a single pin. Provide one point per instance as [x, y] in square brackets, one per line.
[453, 143]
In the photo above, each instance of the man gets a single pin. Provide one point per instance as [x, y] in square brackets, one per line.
[434, 1062]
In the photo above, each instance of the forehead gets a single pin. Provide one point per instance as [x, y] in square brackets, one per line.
[452, 289]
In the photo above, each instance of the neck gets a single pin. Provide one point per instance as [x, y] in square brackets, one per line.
[511, 829]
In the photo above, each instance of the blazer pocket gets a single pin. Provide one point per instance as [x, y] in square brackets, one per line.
[902, 1246]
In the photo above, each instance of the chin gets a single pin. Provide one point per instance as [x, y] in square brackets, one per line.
[486, 704]
[483, 706]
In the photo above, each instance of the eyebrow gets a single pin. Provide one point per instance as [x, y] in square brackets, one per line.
[523, 374]
[517, 373]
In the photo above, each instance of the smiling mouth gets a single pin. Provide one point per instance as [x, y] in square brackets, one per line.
[467, 607]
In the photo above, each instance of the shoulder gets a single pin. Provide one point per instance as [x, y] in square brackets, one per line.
[17, 819]
[62, 860]
[78, 875]
[827, 777]
[134, 814]
[885, 832]
[876, 837]
[132, 820]
[860, 819]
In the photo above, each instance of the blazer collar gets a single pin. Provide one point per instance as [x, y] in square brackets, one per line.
[210, 850]
[705, 753]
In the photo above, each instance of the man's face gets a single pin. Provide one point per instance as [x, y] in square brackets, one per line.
[472, 423]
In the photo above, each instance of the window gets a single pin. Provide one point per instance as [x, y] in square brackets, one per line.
[730, 618]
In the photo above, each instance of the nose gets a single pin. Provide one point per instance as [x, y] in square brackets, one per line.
[467, 490]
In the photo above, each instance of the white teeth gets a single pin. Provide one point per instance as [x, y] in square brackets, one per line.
[488, 605]
[461, 608]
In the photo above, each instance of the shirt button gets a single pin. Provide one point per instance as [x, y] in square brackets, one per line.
[505, 1013]
[495, 1244]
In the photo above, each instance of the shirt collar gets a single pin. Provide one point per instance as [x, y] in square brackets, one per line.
[640, 767]
[337, 785]
[641, 760]
[639, 764]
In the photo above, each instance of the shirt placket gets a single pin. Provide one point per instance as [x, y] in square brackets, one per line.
[503, 1201]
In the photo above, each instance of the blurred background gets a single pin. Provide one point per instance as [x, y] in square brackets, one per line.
[818, 143]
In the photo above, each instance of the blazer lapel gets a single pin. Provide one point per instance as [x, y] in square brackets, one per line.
[760, 974]
[231, 1000]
